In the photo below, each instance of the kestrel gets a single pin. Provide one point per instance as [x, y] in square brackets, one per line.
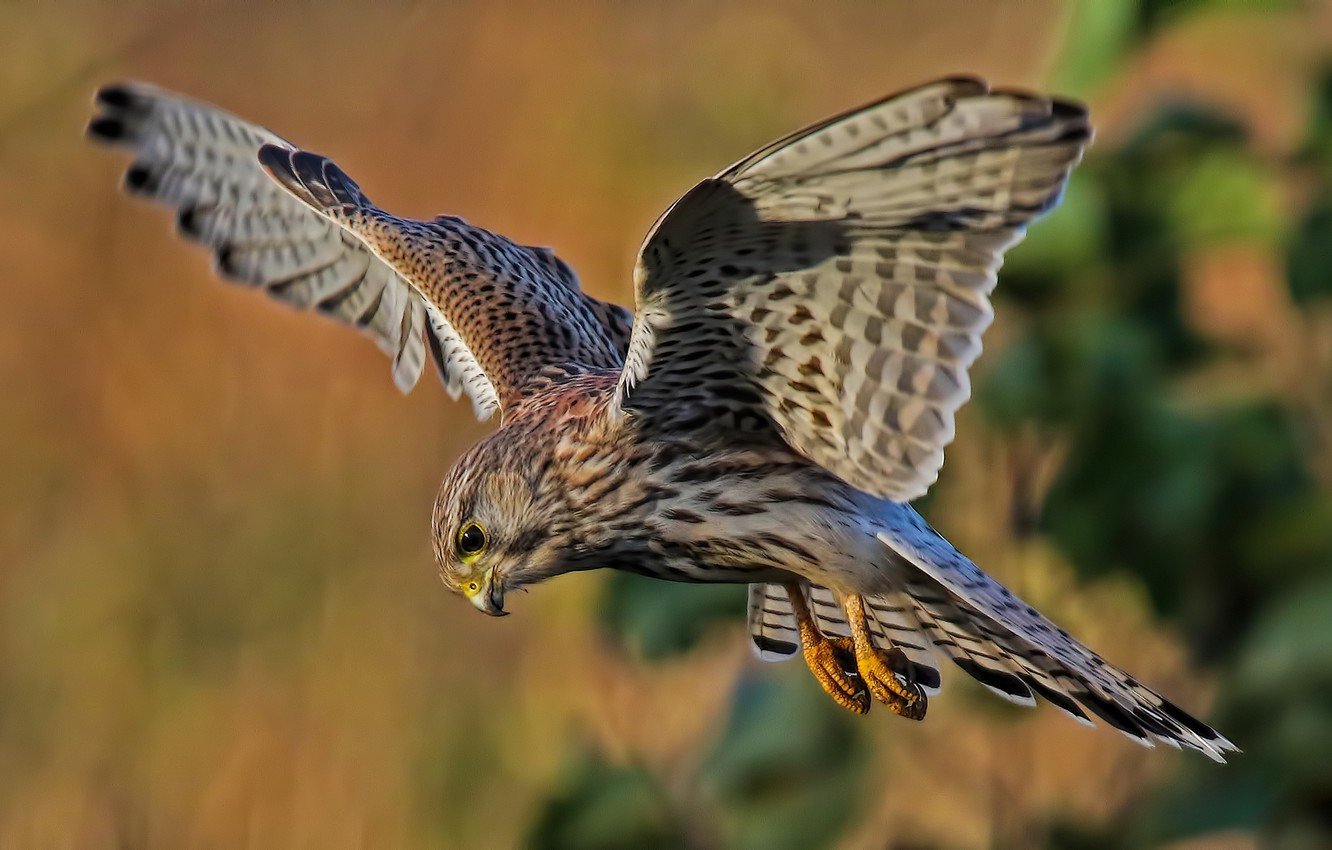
[806, 319]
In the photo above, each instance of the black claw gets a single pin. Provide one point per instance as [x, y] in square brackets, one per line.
[917, 710]
[862, 699]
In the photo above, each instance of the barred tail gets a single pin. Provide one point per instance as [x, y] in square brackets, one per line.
[1012, 649]
[776, 635]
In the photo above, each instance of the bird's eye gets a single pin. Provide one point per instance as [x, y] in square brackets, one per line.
[471, 540]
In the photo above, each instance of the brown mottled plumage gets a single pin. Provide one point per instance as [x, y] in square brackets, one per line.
[805, 323]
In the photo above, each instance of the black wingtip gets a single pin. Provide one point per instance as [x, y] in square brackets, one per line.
[125, 99]
[999, 680]
[1194, 725]
[117, 95]
[105, 129]
[121, 111]
[187, 222]
[1074, 116]
[1064, 108]
[139, 179]
[313, 170]
[224, 259]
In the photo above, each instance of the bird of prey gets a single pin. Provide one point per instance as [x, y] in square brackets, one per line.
[805, 322]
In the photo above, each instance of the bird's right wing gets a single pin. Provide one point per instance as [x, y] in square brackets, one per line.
[203, 162]
[834, 285]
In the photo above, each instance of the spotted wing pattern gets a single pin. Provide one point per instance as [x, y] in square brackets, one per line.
[517, 311]
[835, 284]
[203, 162]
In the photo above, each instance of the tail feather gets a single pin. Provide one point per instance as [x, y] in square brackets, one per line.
[890, 628]
[776, 635]
[773, 630]
[947, 629]
[971, 616]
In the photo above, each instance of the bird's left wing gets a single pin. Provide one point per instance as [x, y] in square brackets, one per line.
[517, 311]
[203, 162]
[835, 284]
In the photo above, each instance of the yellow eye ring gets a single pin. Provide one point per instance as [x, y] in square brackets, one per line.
[472, 587]
[472, 540]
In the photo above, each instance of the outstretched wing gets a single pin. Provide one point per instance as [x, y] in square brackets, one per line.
[518, 311]
[203, 162]
[835, 284]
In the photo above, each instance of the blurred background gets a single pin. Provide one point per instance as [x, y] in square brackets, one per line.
[220, 624]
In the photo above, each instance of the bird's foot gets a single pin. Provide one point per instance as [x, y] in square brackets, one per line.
[886, 676]
[833, 663]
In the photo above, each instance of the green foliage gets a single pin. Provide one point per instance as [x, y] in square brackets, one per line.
[1065, 249]
[755, 789]
[784, 790]
[1154, 14]
[1309, 261]
[1215, 506]
[1309, 257]
[602, 807]
[1100, 31]
[656, 619]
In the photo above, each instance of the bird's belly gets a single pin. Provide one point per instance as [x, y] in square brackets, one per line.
[779, 546]
[703, 571]
[758, 516]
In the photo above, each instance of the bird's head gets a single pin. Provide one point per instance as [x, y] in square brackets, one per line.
[492, 530]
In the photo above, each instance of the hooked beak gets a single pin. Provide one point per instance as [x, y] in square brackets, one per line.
[490, 598]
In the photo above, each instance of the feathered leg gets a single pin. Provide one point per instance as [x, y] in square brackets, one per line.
[831, 660]
[884, 672]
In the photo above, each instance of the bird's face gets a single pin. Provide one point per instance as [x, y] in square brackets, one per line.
[489, 534]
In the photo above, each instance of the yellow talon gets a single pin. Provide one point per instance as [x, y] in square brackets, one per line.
[885, 673]
[831, 660]
[827, 659]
